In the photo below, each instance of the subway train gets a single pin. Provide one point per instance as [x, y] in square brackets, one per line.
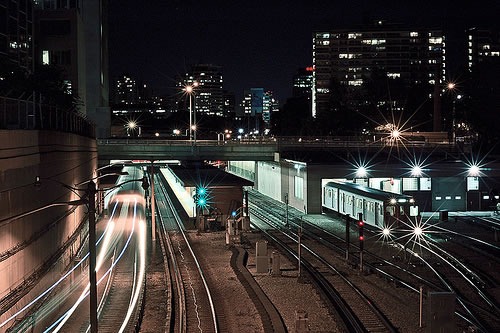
[130, 186]
[379, 208]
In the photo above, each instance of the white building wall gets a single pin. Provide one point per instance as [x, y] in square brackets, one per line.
[269, 179]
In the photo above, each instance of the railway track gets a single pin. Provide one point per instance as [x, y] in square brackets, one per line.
[192, 297]
[412, 275]
[357, 311]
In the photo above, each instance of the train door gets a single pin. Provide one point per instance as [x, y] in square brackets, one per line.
[376, 217]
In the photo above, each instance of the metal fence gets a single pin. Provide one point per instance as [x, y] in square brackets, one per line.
[16, 114]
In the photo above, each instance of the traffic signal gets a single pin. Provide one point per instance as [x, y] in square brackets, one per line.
[361, 226]
[200, 197]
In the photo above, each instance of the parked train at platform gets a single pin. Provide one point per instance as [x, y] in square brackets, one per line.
[379, 208]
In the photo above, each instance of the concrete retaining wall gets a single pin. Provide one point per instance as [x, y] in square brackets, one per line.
[36, 248]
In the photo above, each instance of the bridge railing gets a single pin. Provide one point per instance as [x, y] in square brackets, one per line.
[291, 142]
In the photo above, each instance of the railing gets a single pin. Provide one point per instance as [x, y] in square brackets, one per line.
[289, 142]
[16, 114]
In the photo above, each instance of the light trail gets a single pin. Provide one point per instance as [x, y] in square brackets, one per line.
[36, 299]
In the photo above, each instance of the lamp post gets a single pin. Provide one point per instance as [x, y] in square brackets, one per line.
[189, 89]
[451, 87]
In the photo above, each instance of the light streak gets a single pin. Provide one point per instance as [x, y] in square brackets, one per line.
[36, 299]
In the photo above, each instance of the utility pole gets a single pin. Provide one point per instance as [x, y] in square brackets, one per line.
[286, 210]
[153, 210]
[91, 192]
[347, 237]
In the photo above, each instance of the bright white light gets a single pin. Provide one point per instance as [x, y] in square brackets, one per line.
[416, 171]
[240, 130]
[132, 124]
[386, 231]
[189, 89]
[193, 127]
[395, 134]
[418, 231]
[157, 134]
[361, 172]
[451, 85]
[474, 171]
[393, 201]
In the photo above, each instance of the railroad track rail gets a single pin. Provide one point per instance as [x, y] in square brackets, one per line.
[192, 298]
[357, 311]
[411, 275]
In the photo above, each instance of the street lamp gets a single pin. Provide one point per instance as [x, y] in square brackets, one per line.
[451, 87]
[189, 89]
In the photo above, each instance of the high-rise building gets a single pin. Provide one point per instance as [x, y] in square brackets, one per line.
[303, 82]
[269, 105]
[229, 104]
[126, 91]
[16, 32]
[208, 93]
[349, 56]
[482, 45]
[72, 34]
[258, 105]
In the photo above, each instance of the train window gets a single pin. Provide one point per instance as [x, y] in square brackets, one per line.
[391, 210]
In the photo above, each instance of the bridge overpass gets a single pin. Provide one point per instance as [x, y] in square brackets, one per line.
[262, 149]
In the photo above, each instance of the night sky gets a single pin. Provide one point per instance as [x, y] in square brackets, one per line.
[262, 43]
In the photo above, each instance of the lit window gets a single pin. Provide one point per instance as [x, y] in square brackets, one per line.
[448, 197]
[435, 40]
[438, 198]
[458, 197]
[356, 82]
[45, 57]
[413, 34]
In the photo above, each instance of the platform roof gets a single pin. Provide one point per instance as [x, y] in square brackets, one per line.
[193, 176]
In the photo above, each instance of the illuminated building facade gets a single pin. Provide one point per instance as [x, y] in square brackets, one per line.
[208, 94]
[72, 34]
[126, 91]
[16, 32]
[302, 82]
[482, 45]
[350, 55]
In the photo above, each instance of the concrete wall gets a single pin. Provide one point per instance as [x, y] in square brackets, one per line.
[53, 235]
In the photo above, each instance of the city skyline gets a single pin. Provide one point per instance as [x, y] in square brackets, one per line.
[260, 44]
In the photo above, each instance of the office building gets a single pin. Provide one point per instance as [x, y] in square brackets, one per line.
[482, 45]
[349, 56]
[72, 34]
[208, 92]
[16, 33]
[303, 82]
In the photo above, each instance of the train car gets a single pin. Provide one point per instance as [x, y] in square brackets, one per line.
[129, 187]
[379, 208]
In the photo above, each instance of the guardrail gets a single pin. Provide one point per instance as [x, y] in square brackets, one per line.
[16, 114]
